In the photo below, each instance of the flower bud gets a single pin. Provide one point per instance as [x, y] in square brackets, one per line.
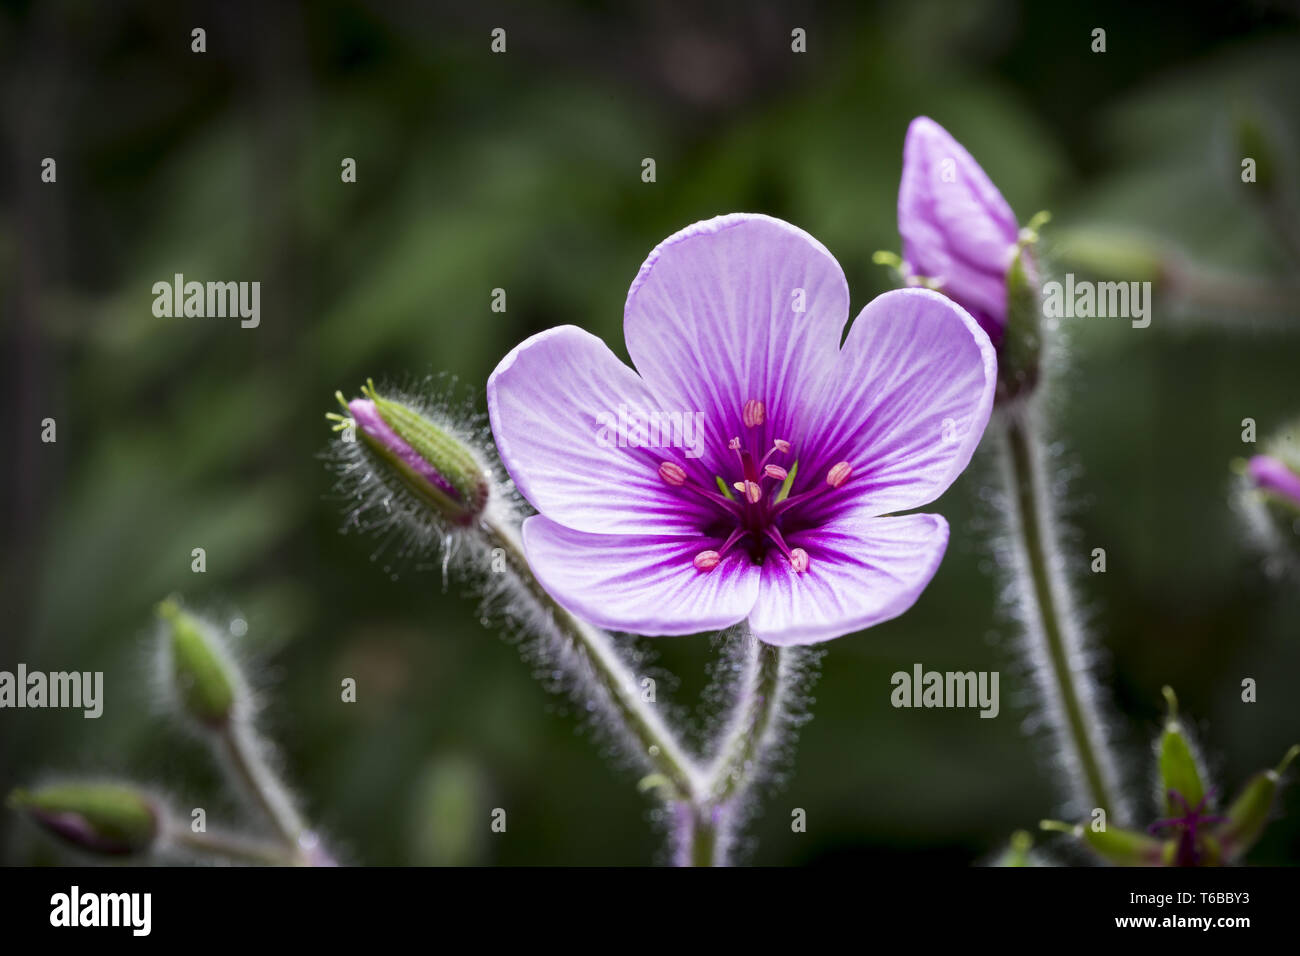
[207, 685]
[1276, 480]
[421, 456]
[957, 229]
[1270, 496]
[1248, 814]
[106, 818]
[1180, 770]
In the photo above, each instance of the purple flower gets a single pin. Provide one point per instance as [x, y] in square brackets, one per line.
[770, 509]
[1272, 475]
[957, 229]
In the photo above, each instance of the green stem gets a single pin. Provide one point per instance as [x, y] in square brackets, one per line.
[654, 737]
[696, 836]
[235, 848]
[244, 757]
[1046, 597]
[747, 738]
[704, 834]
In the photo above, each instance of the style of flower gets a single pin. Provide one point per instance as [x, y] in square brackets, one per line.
[959, 235]
[780, 510]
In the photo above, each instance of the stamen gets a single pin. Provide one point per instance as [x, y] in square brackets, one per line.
[736, 535]
[706, 560]
[734, 444]
[775, 471]
[839, 474]
[672, 473]
[727, 504]
[751, 490]
[798, 557]
[776, 447]
[755, 413]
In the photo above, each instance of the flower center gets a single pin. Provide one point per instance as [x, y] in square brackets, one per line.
[751, 507]
[1188, 825]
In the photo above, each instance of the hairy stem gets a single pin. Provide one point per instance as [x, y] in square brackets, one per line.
[695, 835]
[658, 744]
[750, 732]
[1049, 617]
[235, 848]
[705, 835]
[246, 761]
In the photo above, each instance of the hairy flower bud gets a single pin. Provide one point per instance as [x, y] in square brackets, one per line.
[207, 685]
[112, 819]
[423, 457]
[1269, 497]
[1180, 769]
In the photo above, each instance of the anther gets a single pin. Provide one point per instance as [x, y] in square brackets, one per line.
[839, 474]
[706, 560]
[775, 471]
[750, 489]
[672, 473]
[799, 560]
[755, 413]
[782, 446]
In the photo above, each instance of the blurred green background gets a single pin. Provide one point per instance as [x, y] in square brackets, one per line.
[522, 171]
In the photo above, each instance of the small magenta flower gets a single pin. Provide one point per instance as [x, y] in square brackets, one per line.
[959, 235]
[766, 504]
[1188, 828]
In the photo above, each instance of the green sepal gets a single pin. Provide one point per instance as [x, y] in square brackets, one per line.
[1248, 814]
[446, 453]
[1117, 845]
[1020, 353]
[1179, 768]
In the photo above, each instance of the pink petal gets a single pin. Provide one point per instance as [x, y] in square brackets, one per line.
[639, 583]
[910, 400]
[862, 571]
[955, 224]
[711, 322]
[545, 401]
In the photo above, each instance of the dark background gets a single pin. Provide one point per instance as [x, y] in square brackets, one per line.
[522, 171]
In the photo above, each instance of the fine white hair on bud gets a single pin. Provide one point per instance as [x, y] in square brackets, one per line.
[415, 472]
[197, 671]
[1266, 498]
